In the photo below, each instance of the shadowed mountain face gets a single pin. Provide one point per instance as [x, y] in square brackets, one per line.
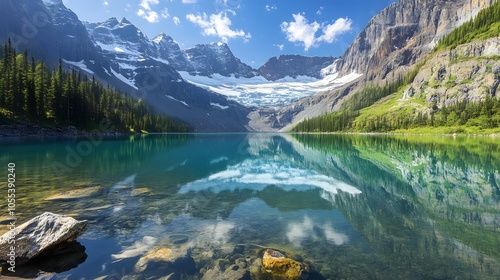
[47, 29]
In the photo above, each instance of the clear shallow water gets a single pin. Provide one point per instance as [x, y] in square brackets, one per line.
[352, 207]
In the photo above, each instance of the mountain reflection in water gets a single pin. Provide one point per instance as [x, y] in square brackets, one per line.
[358, 207]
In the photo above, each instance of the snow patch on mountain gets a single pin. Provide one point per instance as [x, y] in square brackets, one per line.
[175, 99]
[80, 64]
[52, 2]
[259, 92]
[219, 106]
[123, 79]
[119, 48]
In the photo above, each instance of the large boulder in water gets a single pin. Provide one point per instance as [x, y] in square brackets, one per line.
[41, 235]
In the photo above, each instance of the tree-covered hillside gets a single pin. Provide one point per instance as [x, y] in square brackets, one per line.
[382, 109]
[32, 93]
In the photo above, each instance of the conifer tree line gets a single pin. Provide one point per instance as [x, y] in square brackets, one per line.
[31, 92]
[485, 25]
[484, 114]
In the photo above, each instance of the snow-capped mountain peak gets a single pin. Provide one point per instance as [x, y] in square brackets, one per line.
[161, 37]
[213, 66]
[125, 21]
[111, 23]
[52, 2]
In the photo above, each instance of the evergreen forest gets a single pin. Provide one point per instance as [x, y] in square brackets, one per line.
[31, 93]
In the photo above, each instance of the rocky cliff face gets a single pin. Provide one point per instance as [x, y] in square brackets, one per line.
[294, 66]
[469, 72]
[402, 34]
[215, 58]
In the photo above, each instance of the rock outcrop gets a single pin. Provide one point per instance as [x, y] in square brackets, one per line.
[275, 264]
[41, 235]
[469, 72]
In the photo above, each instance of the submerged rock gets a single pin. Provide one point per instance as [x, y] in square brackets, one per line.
[75, 194]
[161, 261]
[41, 235]
[275, 264]
[140, 191]
[136, 249]
[159, 256]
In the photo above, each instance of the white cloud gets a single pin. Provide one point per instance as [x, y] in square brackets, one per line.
[231, 4]
[176, 20]
[270, 8]
[146, 4]
[164, 13]
[218, 25]
[188, 1]
[147, 13]
[280, 46]
[302, 31]
[150, 16]
[105, 3]
[332, 31]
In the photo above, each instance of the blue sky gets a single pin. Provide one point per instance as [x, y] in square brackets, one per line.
[255, 30]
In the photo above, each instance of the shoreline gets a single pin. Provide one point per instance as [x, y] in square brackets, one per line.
[32, 130]
[27, 130]
[402, 134]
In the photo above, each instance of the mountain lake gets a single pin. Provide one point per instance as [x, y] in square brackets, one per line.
[347, 206]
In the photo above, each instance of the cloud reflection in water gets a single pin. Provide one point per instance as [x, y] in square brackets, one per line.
[257, 174]
[298, 232]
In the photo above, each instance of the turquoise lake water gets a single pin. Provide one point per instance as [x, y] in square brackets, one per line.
[351, 207]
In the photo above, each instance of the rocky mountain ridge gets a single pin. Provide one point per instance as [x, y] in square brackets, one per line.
[295, 65]
[393, 42]
[212, 67]
[202, 59]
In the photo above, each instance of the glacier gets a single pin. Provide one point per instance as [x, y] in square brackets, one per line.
[259, 92]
